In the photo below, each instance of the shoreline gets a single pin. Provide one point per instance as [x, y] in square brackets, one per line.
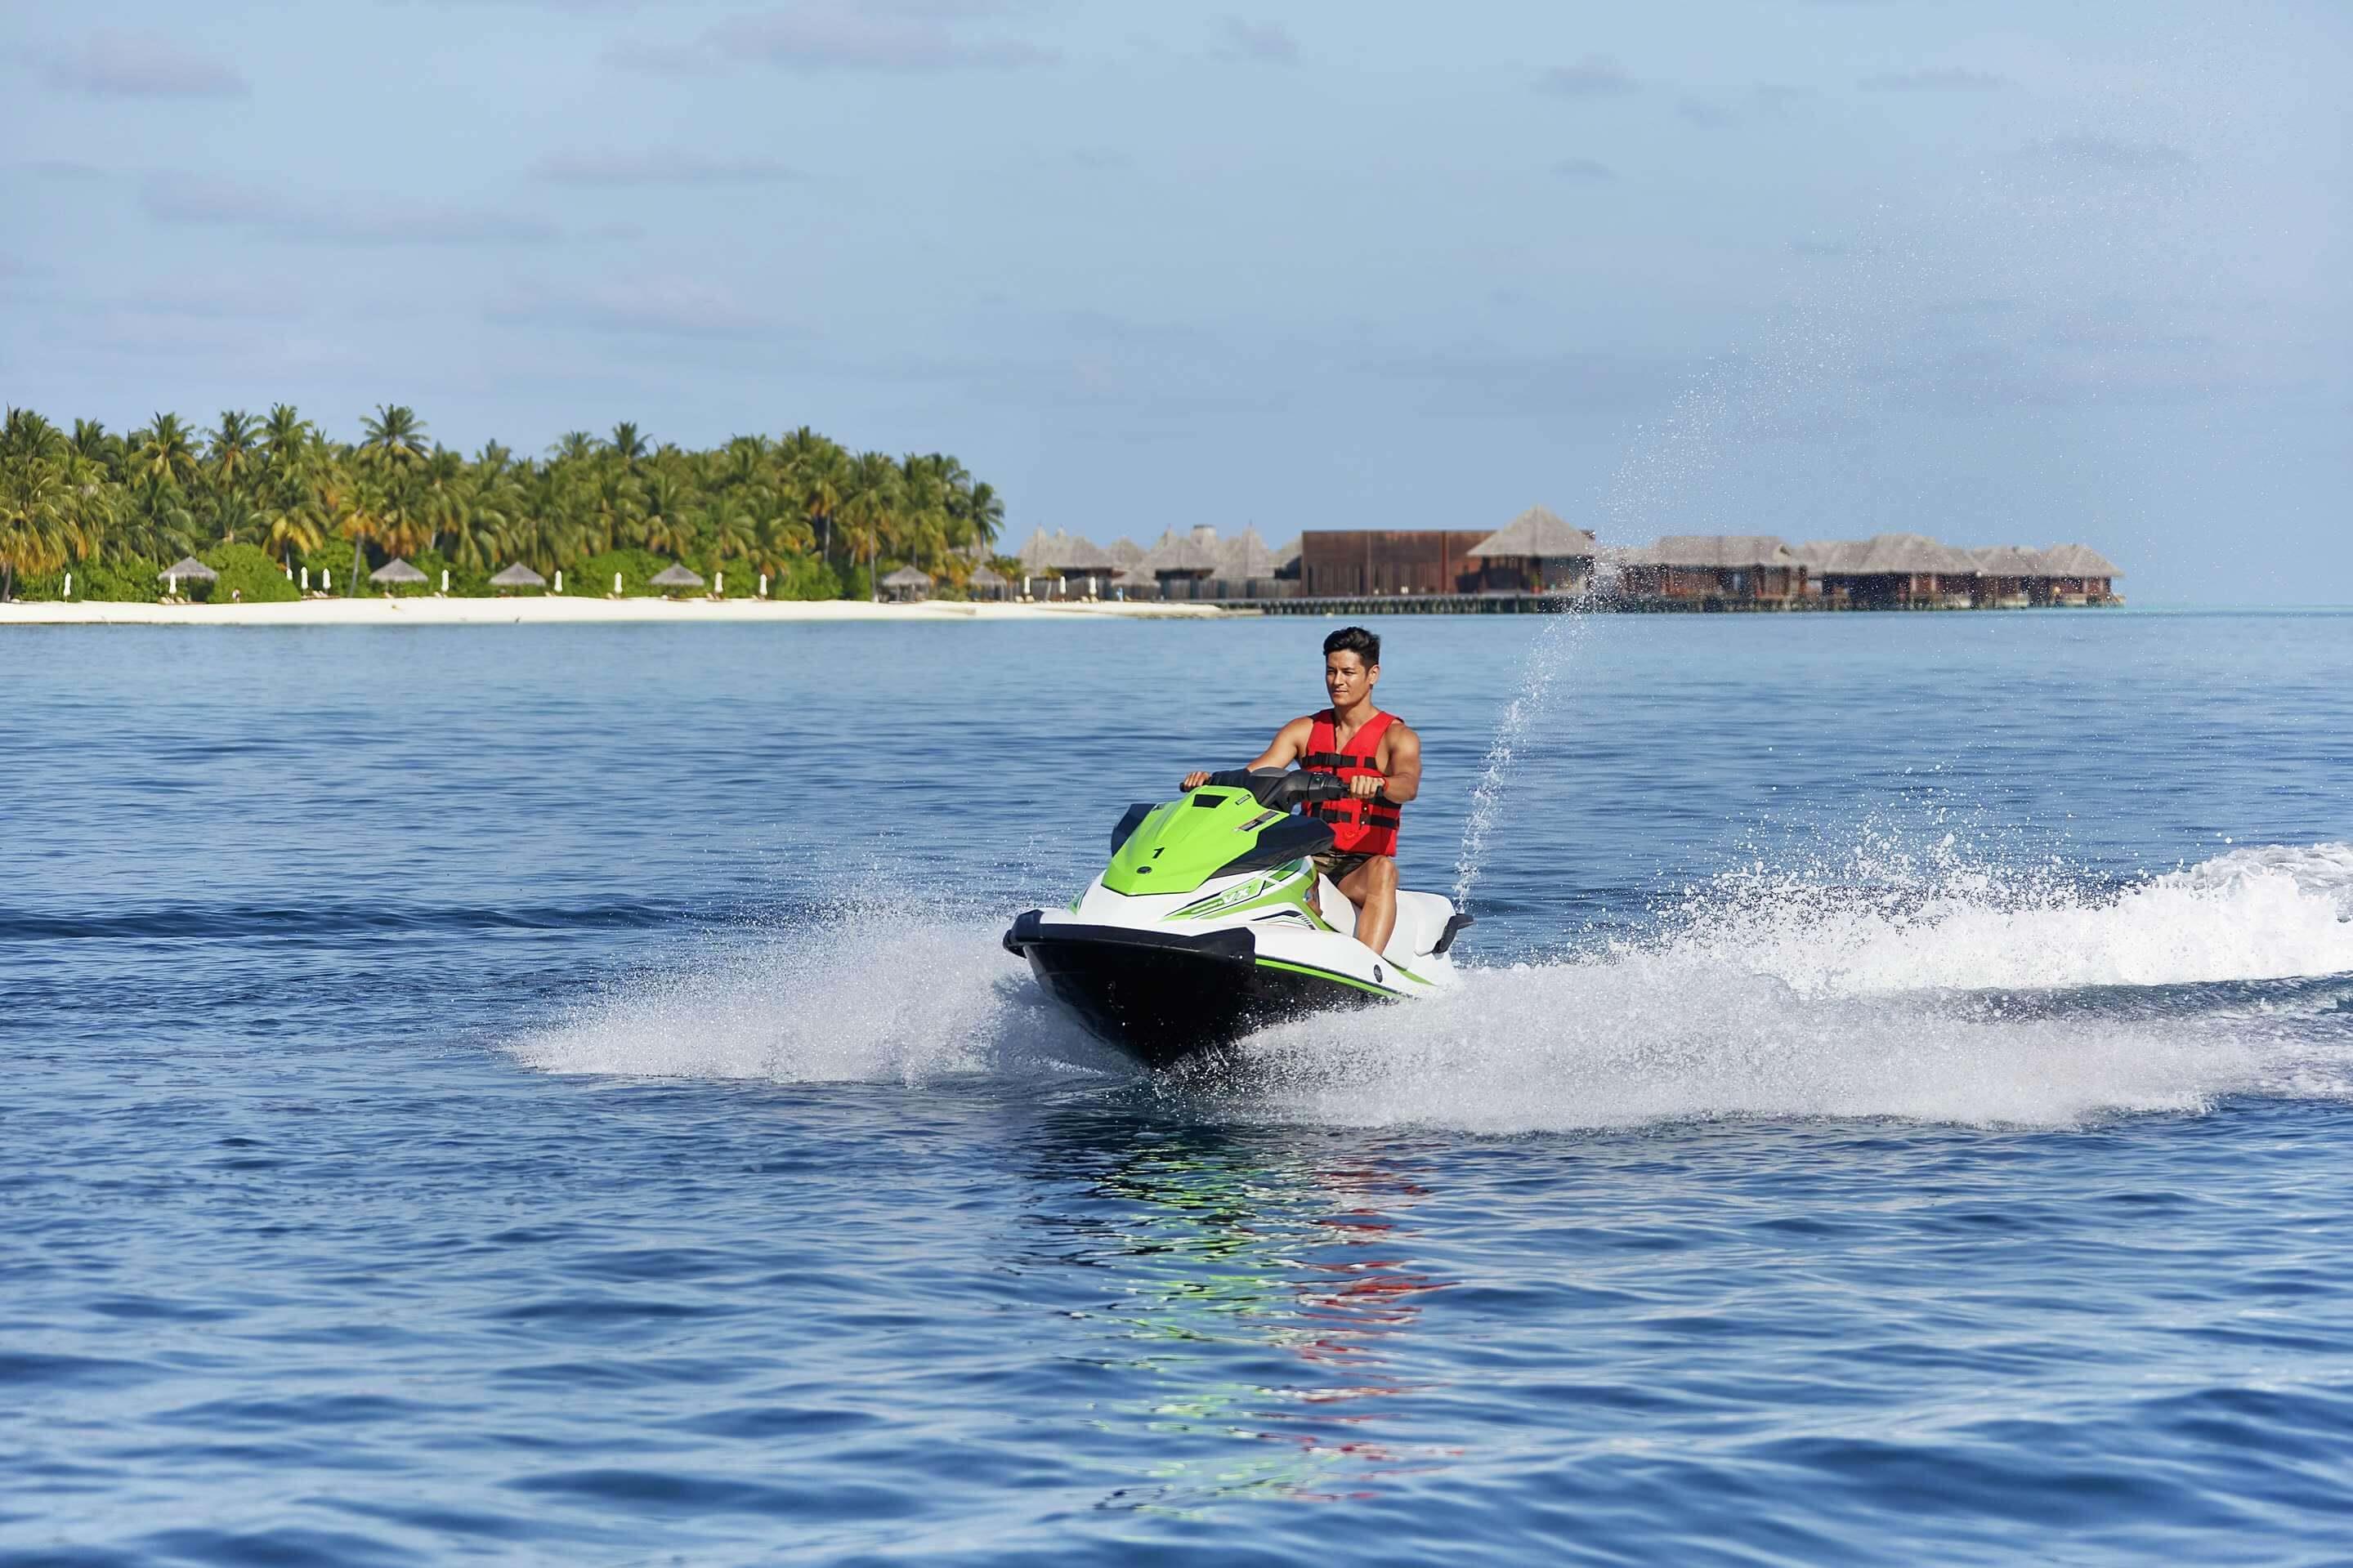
[554, 609]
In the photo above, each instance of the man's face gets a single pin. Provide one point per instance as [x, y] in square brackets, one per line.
[1347, 678]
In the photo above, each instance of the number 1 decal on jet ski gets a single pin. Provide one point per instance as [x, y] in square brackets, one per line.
[1211, 921]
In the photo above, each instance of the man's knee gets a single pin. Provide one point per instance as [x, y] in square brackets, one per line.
[1380, 871]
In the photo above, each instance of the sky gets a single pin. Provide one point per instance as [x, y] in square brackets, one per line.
[1994, 272]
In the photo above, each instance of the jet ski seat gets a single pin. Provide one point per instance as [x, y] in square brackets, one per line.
[1420, 926]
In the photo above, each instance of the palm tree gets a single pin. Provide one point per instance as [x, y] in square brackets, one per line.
[777, 541]
[91, 439]
[729, 530]
[34, 530]
[664, 526]
[629, 445]
[231, 453]
[357, 509]
[395, 434]
[165, 453]
[983, 510]
[233, 514]
[286, 437]
[820, 472]
[156, 523]
[291, 524]
[441, 494]
[870, 510]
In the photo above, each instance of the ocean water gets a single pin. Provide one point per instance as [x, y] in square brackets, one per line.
[555, 1095]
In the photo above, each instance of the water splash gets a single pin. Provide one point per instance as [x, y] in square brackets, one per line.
[871, 991]
[1920, 987]
[1526, 717]
[1784, 997]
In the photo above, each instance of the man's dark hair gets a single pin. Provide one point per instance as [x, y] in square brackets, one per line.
[1355, 640]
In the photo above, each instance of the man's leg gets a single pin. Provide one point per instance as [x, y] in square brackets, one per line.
[1372, 888]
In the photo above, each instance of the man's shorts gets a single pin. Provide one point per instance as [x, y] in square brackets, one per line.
[1337, 865]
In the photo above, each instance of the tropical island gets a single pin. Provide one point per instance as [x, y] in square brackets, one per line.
[274, 509]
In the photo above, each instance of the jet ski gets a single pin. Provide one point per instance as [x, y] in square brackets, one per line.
[1212, 921]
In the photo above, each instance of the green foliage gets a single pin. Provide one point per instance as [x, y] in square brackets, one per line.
[249, 574]
[593, 578]
[807, 579]
[131, 580]
[800, 508]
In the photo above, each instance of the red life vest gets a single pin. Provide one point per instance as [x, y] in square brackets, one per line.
[1358, 826]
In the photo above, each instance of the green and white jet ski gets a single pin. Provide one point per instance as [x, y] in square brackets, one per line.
[1212, 921]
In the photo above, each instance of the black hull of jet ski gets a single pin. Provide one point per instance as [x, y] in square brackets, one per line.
[1162, 996]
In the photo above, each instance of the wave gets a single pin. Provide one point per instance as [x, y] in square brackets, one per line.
[1909, 997]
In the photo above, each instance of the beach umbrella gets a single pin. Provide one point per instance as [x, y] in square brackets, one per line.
[676, 577]
[984, 579]
[518, 577]
[395, 570]
[189, 568]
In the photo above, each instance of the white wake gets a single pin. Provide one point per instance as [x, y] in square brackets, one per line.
[1954, 995]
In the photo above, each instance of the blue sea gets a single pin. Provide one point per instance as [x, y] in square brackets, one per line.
[555, 1095]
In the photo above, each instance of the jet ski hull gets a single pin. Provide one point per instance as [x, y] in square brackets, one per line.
[1162, 996]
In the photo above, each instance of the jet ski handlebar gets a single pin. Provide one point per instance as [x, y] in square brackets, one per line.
[1282, 790]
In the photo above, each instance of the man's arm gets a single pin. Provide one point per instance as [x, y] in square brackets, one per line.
[1400, 778]
[1288, 744]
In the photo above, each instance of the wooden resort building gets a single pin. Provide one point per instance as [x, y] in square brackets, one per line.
[1350, 563]
[1891, 570]
[1537, 560]
[1175, 567]
[1705, 567]
[2078, 575]
[1535, 553]
[2008, 577]
[1059, 564]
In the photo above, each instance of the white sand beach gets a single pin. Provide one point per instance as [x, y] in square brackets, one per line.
[440, 612]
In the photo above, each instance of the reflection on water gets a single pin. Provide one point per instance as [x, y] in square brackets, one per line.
[1198, 1243]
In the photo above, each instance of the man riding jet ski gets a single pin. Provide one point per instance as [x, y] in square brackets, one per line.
[1379, 759]
[1220, 914]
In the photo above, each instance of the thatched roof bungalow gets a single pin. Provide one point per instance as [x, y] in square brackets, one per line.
[2079, 575]
[1890, 570]
[2009, 576]
[907, 584]
[1534, 552]
[1245, 557]
[1059, 555]
[1712, 566]
[984, 580]
[1176, 566]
